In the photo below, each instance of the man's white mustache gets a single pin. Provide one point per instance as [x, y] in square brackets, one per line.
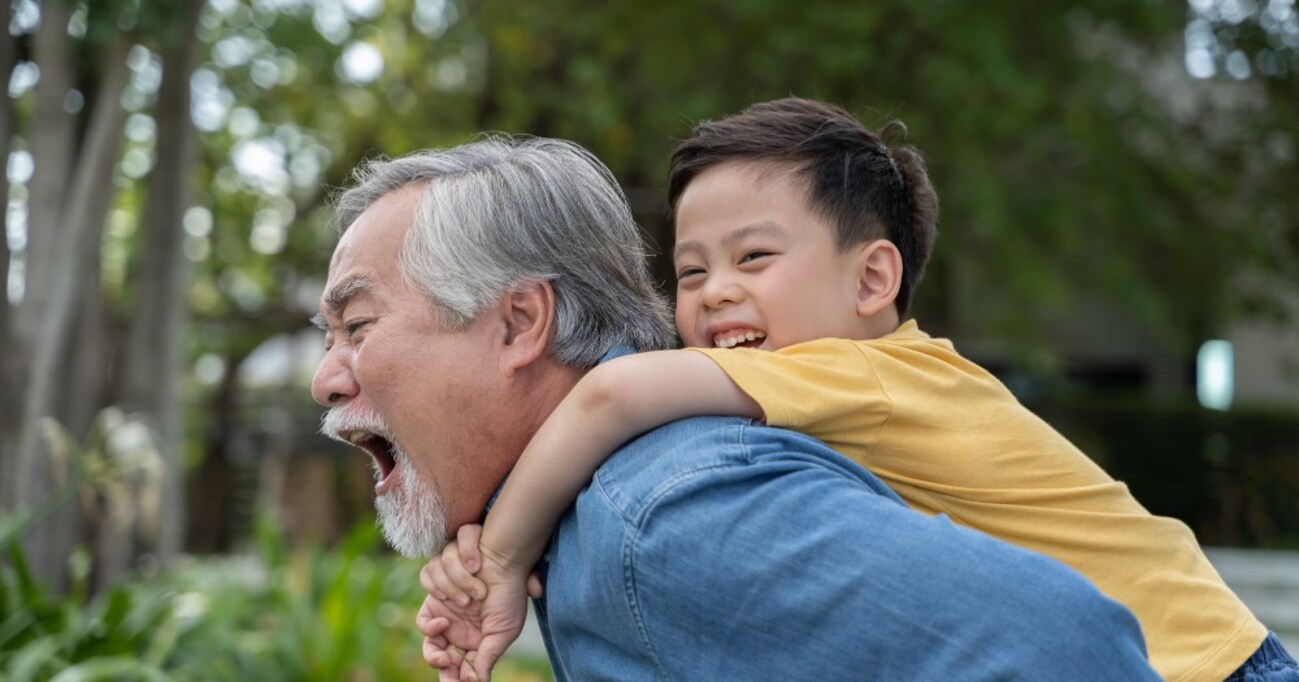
[346, 419]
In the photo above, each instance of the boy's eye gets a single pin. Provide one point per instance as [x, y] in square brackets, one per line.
[754, 255]
[684, 273]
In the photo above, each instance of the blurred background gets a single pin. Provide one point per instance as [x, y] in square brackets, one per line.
[1119, 243]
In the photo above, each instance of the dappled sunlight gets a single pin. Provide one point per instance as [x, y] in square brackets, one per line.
[1222, 38]
[1118, 243]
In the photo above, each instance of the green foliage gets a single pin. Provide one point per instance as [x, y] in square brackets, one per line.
[43, 637]
[282, 614]
[1067, 166]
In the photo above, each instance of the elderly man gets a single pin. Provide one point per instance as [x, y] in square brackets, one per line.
[472, 288]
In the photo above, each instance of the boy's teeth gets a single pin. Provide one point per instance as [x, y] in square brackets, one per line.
[737, 338]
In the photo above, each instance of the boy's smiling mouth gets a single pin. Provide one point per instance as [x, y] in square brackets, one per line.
[738, 337]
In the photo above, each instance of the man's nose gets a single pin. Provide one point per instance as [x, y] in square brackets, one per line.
[334, 381]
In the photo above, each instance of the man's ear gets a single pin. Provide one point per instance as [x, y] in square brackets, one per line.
[528, 320]
[879, 276]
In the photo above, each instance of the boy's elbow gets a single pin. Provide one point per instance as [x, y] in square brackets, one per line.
[604, 389]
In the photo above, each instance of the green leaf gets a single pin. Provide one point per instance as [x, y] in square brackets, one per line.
[13, 626]
[110, 668]
[29, 593]
[37, 657]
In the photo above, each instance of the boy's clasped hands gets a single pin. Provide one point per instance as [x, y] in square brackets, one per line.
[476, 607]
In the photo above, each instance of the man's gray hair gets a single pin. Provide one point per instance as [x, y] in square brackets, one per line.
[501, 213]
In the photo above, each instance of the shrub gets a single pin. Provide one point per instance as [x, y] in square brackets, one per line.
[277, 614]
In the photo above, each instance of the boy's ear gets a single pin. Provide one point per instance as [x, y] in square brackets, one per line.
[528, 320]
[879, 276]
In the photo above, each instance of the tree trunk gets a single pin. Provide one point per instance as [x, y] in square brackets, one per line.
[56, 279]
[211, 530]
[153, 355]
[53, 146]
[8, 366]
[53, 134]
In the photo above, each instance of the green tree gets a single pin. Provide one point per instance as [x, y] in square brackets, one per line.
[1076, 157]
[92, 65]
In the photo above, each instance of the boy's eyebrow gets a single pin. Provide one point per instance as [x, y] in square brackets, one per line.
[765, 228]
[337, 297]
[684, 247]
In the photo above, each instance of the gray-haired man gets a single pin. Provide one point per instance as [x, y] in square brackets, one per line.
[472, 288]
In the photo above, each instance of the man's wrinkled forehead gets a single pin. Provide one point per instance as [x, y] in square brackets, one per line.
[372, 240]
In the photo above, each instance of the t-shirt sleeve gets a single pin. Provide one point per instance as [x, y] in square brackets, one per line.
[825, 388]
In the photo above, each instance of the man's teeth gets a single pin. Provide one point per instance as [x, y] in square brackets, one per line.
[358, 437]
[733, 339]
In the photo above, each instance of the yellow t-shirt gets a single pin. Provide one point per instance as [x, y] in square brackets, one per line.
[948, 437]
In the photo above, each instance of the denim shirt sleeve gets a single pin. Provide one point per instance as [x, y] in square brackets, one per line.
[720, 549]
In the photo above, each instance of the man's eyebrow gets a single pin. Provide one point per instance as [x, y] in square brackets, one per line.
[319, 322]
[337, 297]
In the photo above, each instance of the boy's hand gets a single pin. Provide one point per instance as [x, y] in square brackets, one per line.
[450, 577]
[480, 615]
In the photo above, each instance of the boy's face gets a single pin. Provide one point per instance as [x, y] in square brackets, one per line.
[756, 267]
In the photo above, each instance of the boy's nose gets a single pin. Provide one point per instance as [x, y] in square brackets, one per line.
[721, 291]
[333, 382]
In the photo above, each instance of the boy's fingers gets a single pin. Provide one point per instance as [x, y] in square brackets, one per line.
[428, 577]
[535, 590]
[467, 538]
[460, 583]
[443, 588]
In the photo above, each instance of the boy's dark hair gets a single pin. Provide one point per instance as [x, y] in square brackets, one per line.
[864, 188]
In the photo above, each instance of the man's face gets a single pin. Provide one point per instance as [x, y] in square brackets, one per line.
[756, 267]
[411, 394]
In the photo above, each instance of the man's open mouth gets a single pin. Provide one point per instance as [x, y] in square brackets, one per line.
[381, 450]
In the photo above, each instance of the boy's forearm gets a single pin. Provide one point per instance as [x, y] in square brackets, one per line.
[612, 404]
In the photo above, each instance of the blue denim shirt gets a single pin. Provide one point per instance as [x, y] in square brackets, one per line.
[718, 548]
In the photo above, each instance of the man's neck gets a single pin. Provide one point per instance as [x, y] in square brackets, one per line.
[537, 391]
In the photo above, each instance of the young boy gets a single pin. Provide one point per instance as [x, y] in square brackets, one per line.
[800, 240]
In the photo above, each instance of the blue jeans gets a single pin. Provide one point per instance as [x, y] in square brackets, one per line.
[1271, 663]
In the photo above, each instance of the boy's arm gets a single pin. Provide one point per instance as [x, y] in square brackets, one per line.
[613, 403]
[464, 639]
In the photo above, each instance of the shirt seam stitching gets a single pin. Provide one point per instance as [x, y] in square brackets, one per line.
[888, 397]
[632, 538]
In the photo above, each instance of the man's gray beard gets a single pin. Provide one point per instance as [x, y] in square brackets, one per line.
[412, 516]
